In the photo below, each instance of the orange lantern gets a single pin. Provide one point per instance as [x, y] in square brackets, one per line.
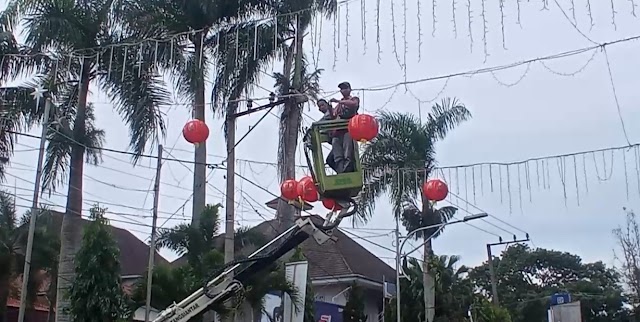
[331, 204]
[435, 190]
[363, 127]
[195, 131]
[289, 189]
[307, 190]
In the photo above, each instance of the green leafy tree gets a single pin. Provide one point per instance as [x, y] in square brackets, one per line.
[405, 142]
[96, 294]
[353, 310]
[485, 311]
[528, 277]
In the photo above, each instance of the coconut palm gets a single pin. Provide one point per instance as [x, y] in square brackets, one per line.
[66, 29]
[405, 142]
[196, 45]
[291, 121]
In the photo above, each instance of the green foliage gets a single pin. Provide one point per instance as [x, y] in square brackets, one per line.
[309, 300]
[485, 311]
[96, 293]
[528, 277]
[405, 142]
[202, 248]
[354, 308]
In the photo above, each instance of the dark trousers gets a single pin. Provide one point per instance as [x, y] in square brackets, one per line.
[342, 151]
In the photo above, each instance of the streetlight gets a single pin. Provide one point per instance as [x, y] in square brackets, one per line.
[413, 232]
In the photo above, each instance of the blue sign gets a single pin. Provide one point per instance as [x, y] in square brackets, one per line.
[327, 312]
[560, 298]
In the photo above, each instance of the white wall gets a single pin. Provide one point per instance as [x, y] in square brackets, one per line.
[334, 294]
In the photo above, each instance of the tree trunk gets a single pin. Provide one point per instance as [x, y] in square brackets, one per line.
[200, 155]
[289, 127]
[429, 284]
[4, 296]
[70, 230]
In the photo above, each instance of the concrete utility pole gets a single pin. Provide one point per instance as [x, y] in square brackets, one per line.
[231, 172]
[38, 94]
[152, 247]
[492, 273]
[230, 206]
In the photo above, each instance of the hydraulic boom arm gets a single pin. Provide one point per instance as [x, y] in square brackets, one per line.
[221, 288]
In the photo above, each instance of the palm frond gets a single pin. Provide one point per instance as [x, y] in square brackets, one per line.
[176, 238]
[139, 95]
[238, 70]
[446, 116]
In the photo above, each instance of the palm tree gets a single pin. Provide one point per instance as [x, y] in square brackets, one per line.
[405, 142]
[202, 249]
[197, 47]
[291, 119]
[453, 288]
[63, 27]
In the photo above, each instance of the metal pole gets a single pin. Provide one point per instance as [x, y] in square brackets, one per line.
[492, 273]
[231, 189]
[34, 210]
[384, 296]
[398, 314]
[152, 247]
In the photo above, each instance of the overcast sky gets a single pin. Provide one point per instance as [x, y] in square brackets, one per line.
[543, 113]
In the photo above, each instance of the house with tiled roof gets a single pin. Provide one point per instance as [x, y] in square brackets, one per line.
[134, 255]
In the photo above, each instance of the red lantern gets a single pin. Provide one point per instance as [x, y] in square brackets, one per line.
[363, 127]
[435, 190]
[195, 131]
[307, 189]
[331, 204]
[289, 189]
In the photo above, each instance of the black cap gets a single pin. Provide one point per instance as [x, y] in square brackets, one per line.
[344, 85]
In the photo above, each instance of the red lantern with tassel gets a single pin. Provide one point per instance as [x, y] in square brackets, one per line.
[435, 190]
[289, 189]
[363, 127]
[331, 204]
[195, 131]
[307, 190]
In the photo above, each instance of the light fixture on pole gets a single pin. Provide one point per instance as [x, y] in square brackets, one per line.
[404, 239]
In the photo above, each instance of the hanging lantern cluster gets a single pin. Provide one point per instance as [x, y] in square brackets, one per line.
[435, 190]
[363, 127]
[195, 131]
[305, 190]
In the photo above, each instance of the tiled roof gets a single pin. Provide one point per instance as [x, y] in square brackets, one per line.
[134, 253]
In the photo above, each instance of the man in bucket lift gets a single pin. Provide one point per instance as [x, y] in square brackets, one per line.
[342, 143]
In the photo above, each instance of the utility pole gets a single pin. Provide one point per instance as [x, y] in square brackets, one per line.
[492, 273]
[38, 94]
[397, 233]
[152, 247]
[231, 190]
[231, 172]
